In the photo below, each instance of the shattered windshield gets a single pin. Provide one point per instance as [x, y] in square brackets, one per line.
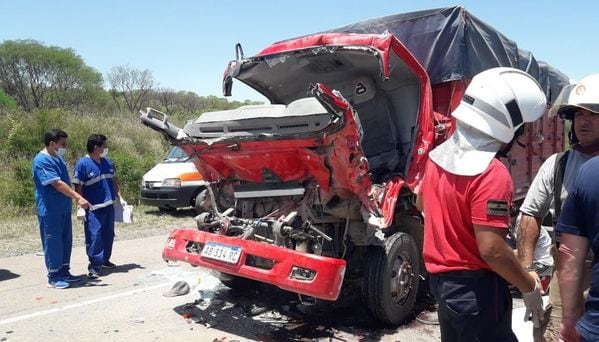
[176, 155]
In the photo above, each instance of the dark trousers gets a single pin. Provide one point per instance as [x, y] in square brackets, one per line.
[99, 236]
[473, 306]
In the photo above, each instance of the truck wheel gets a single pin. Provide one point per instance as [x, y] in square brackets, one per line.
[236, 283]
[391, 278]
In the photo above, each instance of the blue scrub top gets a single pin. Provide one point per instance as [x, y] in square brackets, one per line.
[580, 216]
[96, 180]
[46, 170]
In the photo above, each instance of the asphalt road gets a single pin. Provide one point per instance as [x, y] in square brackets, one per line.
[128, 304]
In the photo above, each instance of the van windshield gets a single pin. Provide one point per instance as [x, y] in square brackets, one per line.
[175, 155]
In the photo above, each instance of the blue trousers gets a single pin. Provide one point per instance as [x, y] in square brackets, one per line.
[473, 306]
[56, 232]
[99, 236]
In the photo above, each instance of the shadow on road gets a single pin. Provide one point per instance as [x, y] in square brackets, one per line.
[86, 281]
[124, 268]
[267, 313]
[89, 283]
[7, 275]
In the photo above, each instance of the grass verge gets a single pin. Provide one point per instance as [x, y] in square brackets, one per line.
[20, 234]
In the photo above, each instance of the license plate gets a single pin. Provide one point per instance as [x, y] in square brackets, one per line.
[217, 251]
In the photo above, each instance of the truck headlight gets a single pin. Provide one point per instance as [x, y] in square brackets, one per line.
[171, 182]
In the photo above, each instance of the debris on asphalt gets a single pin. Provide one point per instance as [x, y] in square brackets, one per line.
[254, 310]
[271, 316]
[428, 316]
[180, 288]
[226, 306]
[152, 278]
[279, 316]
[137, 320]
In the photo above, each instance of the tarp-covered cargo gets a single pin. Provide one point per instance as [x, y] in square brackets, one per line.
[452, 44]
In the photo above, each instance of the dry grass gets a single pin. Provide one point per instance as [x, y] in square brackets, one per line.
[20, 234]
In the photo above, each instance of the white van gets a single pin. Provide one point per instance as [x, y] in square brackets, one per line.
[173, 183]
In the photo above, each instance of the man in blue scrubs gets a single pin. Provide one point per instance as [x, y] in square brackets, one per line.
[94, 180]
[53, 195]
[579, 225]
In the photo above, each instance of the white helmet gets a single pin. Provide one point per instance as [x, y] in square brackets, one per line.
[584, 94]
[500, 100]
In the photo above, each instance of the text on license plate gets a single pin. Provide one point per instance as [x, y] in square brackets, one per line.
[221, 252]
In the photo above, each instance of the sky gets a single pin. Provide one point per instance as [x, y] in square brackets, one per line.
[187, 44]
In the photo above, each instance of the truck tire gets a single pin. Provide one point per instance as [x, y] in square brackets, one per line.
[391, 278]
[236, 283]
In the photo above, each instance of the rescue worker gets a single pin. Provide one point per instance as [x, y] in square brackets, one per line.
[94, 179]
[53, 196]
[580, 104]
[465, 195]
[579, 228]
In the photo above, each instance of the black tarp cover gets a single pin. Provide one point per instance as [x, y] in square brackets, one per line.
[452, 44]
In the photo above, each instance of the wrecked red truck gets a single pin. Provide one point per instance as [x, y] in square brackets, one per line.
[315, 190]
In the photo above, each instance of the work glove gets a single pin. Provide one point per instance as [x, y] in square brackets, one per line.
[534, 305]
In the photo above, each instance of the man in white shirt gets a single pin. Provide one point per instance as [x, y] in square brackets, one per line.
[579, 103]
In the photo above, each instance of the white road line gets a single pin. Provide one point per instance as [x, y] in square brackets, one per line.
[76, 305]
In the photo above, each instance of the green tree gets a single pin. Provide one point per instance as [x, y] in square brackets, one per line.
[40, 76]
[6, 102]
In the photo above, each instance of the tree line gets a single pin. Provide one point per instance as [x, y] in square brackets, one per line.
[34, 76]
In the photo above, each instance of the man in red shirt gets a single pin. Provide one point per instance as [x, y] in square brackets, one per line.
[466, 193]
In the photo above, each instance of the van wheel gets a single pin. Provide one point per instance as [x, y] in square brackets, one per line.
[202, 201]
[391, 279]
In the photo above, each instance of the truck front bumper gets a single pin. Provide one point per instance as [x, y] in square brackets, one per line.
[308, 274]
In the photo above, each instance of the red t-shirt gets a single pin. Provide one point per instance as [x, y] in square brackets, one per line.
[453, 204]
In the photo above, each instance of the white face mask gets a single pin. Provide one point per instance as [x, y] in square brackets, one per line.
[104, 153]
[61, 151]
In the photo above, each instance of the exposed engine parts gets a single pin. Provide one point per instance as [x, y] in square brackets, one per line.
[286, 231]
[294, 216]
[299, 220]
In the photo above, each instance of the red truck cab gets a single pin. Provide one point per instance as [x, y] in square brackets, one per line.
[314, 190]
